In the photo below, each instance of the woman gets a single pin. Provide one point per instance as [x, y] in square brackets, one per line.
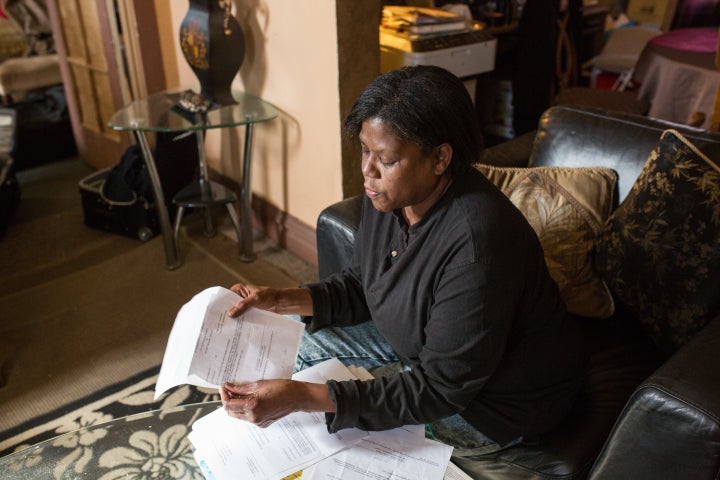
[448, 290]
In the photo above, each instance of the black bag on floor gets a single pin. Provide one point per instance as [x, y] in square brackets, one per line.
[135, 218]
[127, 181]
[120, 199]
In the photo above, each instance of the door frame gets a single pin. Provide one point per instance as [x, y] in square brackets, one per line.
[144, 38]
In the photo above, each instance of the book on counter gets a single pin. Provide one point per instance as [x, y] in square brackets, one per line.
[421, 20]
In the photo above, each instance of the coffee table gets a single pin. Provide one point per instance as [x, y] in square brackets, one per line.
[146, 445]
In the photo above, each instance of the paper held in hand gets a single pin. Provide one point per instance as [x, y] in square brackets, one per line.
[207, 347]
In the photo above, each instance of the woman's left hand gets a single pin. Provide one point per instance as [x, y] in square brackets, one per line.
[266, 401]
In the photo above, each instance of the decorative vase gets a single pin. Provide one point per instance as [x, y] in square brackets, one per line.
[213, 44]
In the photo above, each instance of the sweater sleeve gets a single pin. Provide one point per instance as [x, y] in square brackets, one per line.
[466, 336]
[339, 300]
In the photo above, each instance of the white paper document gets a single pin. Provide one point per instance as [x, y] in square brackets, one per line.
[397, 454]
[453, 472]
[207, 347]
[228, 448]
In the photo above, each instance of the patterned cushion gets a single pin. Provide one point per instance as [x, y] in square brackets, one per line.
[567, 208]
[660, 251]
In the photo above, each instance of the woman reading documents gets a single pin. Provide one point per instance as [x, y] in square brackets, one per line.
[448, 298]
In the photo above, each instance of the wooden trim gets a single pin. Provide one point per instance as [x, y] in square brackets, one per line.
[167, 38]
[129, 58]
[149, 45]
[356, 68]
[106, 33]
[66, 76]
[285, 230]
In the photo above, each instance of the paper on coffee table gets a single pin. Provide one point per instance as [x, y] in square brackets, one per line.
[228, 448]
[397, 453]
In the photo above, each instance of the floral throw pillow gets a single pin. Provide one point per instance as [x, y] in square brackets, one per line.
[660, 250]
[567, 208]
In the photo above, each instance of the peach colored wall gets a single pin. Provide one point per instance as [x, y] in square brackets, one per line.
[291, 61]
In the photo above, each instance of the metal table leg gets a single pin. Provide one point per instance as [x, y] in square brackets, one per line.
[205, 191]
[172, 260]
[246, 247]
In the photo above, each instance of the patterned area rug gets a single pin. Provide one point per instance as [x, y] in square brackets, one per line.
[83, 309]
[135, 395]
[133, 437]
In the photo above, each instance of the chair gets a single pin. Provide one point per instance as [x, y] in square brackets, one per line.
[18, 76]
[618, 56]
[27, 58]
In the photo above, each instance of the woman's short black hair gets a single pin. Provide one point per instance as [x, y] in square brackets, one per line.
[425, 105]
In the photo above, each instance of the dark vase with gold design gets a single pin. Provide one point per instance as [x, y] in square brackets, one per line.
[213, 45]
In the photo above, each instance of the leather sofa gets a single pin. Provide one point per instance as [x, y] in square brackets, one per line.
[642, 414]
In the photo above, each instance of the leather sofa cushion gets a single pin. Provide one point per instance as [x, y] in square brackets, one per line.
[576, 136]
[336, 229]
[672, 420]
[620, 358]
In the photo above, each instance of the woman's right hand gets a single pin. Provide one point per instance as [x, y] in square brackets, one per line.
[264, 298]
[279, 300]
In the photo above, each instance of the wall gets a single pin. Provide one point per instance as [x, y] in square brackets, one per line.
[291, 61]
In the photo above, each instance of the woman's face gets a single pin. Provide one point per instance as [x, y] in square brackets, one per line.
[397, 174]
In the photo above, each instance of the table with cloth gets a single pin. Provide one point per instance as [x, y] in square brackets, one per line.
[678, 76]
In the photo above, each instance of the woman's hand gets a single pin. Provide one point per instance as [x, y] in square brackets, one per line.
[266, 401]
[279, 300]
[264, 298]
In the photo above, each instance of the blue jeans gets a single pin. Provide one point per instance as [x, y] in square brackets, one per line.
[363, 346]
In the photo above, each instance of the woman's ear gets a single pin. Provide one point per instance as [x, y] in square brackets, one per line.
[443, 156]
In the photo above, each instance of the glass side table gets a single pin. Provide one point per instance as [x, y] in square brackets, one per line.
[160, 113]
[145, 445]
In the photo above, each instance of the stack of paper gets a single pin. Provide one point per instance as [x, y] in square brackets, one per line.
[207, 348]
[228, 448]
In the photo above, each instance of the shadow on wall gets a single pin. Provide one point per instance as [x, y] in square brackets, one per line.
[254, 17]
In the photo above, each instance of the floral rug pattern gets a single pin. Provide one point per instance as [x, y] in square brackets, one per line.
[157, 448]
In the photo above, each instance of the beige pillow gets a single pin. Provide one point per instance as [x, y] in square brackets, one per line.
[567, 208]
